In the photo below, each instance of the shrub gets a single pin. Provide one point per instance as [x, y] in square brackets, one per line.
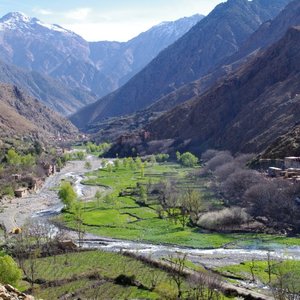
[218, 160]
[223, 218]
[9, 271]
[162, 157]
[188, 159]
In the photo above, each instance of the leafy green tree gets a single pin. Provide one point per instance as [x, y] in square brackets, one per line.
[188, 159]
[9, 271]
[80, 155]
[152, 159]
[13, 158]
[143, 193]
[117, 163]
[178, 156]
[67, 194]
[59, 163]
[28, 160]
[88, 165]
[138, 162]
[98, 197]
[162, 157]
[131, 163]
[109, 167]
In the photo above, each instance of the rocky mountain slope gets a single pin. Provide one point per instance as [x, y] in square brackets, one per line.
[214, 38]
[245, 112]
[266, 35]
[97, 67]
[286, 145]
[22, 115]
[51, 92]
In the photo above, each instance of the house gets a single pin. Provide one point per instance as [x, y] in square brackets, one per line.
[16, 176]
[292, 162]
[275, 172]
[50, 169]
[21, 192]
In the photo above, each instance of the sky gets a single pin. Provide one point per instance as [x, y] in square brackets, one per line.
[99, 20]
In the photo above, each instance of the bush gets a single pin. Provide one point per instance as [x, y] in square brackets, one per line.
[188, 159]
[67, 194]
[221, 158]
[9, 271]
[162, 157]
[223, 218]
[7, 191]
[125, 280]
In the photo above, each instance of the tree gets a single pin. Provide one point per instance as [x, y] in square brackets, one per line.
[88, 165]
[117, 163]
[192, 202]
[78, 215]
[178, 265]
[152, 160]
[178, 156]
[28, 160]
[59, 163]
[98, 197]
[13, 158]
[143, 193]
[67, 194]
[163, 157]
[138, 162]
[188, 159]
[285, 286]
[9, 271]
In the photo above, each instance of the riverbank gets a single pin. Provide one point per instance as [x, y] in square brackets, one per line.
[15, 212]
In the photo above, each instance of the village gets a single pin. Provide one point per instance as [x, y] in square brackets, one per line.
[289, 170]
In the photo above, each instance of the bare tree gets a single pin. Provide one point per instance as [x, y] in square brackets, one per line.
[237, 183]
[205, 286]
[178, 264]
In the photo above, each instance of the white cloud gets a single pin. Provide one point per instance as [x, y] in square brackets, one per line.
[105, 31]
[78, 14]
[42, 11]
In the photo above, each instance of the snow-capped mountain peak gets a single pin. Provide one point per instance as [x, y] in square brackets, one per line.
[18, 20]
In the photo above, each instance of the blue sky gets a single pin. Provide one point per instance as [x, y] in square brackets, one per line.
[97, 20]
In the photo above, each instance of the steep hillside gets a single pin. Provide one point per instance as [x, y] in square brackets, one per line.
[50, 91]
[266, 35]
[217, 36]
[23, 115]
[97, 67]
[286, 145]
[246, 112]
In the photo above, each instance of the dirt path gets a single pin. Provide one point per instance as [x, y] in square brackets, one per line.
[17, 211]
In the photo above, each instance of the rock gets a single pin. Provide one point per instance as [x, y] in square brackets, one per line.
[8, 292]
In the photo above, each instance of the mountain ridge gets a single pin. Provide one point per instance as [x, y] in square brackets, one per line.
[183, 61]
[60, 53]
[246, 112]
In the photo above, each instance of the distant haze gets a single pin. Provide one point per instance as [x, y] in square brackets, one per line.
[119, 20]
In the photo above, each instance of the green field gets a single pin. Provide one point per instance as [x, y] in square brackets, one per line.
[93, 275]
[122, 216]
[288, 271]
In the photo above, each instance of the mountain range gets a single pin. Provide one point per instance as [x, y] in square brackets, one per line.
[253, 107]
[98, 67]
[216, 37]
